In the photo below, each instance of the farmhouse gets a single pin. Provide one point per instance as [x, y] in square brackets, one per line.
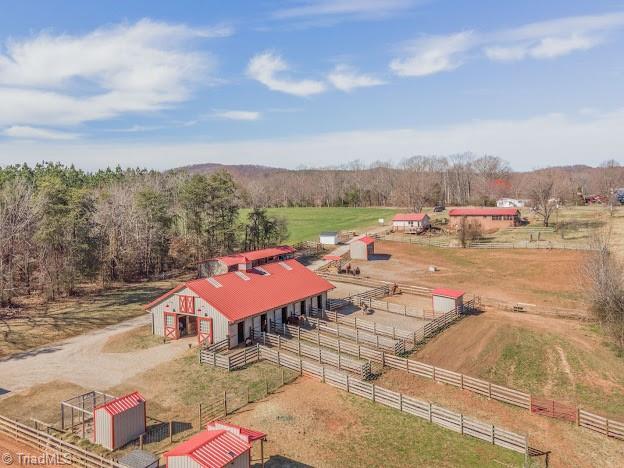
[362, 248]
[236, 304]
[221, 265]
[410, 222]
[490, 219]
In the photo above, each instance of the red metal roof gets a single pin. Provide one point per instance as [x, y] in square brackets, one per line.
[244, 257]
[211, 449]
[249, 434]
[452, 293]
[409, 216]
[122, 403]
[484, 212]
[366, 239]
[238, 298]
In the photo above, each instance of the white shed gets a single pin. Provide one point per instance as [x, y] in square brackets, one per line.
[444, 300]
[328, 238]
[211, 449]
[119, 421]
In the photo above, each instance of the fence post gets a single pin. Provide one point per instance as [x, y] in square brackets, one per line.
[434, 376]
[461, 380]
[225, 402]
[489, 390]
[373, 392]
[461, 423]
[323, 374]
[170, 432]
[348, 384]
[493, 429]
[430, 418]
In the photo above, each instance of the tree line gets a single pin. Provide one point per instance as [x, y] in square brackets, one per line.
[60, 226]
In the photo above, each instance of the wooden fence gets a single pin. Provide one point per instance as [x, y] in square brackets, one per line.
[553, 409]
[596, 423]
[47, 443]
[230, 361]
[322, 356]
[434, 414]
[374, 283]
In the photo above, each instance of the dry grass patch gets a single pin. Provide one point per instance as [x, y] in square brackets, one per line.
[132, 340]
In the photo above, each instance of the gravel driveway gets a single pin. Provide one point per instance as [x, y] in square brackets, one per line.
[80, 360]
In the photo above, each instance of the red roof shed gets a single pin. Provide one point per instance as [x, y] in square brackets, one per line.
[210, 449]
[119, 421]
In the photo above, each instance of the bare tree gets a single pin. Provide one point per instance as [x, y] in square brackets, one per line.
[541, 194]
[605, 274]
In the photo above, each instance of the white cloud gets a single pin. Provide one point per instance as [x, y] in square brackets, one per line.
[365, 9]
[345, 78]
[551, 139]
[539, 40]
[66, 80]
[265, 68]
[32, 133]
[238, 115]
[433, 54]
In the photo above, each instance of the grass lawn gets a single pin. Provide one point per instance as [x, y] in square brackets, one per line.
[132, 340]
[35, 324]
[308, 223]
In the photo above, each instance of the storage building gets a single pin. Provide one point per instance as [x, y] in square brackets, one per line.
[119, 421]
[239, 303]
[410, 222]
[444, 300]
[362, 248]
[490, 219]
[211, 449]
[329, 238]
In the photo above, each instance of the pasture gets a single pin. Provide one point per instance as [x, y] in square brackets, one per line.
[308, 223]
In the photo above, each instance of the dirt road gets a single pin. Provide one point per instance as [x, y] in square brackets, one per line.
[80, 360]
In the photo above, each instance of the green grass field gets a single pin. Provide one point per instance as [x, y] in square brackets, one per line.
[307, 223]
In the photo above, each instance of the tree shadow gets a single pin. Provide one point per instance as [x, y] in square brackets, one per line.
[276, 461]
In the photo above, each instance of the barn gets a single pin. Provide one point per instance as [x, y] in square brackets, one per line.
[444, 300]
[119, 421]
[221, 265]
[362, 248]
[410, 222]
[211, 449]
[236, 304]
[490, 219]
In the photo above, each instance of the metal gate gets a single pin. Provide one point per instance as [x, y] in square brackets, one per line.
[171, 325]
[553, 409]
[204, 330]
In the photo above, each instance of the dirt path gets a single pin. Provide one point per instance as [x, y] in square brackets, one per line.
[80, 360]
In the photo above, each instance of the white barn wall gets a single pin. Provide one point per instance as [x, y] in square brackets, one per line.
[103, 431]
[129, 425]
[182, 461]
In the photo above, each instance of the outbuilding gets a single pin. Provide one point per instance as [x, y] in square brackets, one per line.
[238, 304]
[329, 238]
[444, 300]
[211, 449]
[410, 222]
[119, 421]
[362, 248]
[253, 258]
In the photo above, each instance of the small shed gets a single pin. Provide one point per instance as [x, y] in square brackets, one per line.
[328, 238]
[211, 449]
[362, 248]
[444, 300]
[119, 421]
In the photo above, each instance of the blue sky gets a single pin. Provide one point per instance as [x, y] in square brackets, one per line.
[310, 83]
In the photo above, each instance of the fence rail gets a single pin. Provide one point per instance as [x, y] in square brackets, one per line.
[601, 424]
[434, 414]
[45, 442]
[230, 361]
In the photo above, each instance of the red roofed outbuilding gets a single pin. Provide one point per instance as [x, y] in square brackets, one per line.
[119, 421]
[362, 248]
[490, 219]
[444, 300]
[244, 260]
[410, 222]
[232, 304]
[211, 449]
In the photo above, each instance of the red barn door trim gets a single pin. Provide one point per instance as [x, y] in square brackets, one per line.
[187, 304]
[171, 332]
[204, 338]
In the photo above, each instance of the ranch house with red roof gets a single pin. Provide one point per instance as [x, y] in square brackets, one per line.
[410, 222]
[239, 302]
[490, 219]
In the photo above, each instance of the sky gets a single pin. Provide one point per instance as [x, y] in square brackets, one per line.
[310, 83]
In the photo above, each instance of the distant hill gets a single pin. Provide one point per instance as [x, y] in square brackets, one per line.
[237, 170]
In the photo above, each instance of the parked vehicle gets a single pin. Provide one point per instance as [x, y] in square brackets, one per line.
[439, 209]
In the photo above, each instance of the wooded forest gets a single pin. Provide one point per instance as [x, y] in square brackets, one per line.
[60, 226]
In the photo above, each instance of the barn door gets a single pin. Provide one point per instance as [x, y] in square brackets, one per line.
[171, 325]
[204, 330]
